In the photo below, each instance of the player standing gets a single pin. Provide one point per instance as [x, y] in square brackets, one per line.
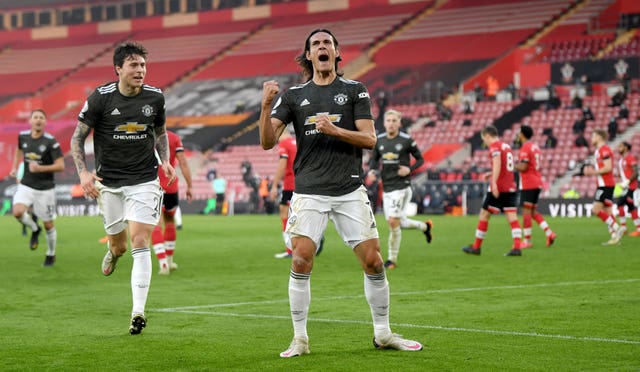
[164, 242]
[501, 196]
[603, 170]
[127, 117]
[41, 156]
[395, 148]
[530, 187]
[628, 170]
[333, 123]
[287, 149]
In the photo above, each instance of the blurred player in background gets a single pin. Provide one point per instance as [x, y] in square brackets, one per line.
[287, 149]
[164, 242]
[530, 187]
[628, 171]
[603, 170]
[395, 148]
[333, 123]
[502, 195]
[128, 120]
[41, 156]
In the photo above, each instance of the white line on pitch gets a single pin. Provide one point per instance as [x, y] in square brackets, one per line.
[406, 325]
[413, 293]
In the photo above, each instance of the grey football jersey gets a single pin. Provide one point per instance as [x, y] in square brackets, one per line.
[395, 152]
[325, 165]
[44, 151]
[123, 133]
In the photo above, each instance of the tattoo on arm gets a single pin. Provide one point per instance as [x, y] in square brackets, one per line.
[77, 146]
[162, 144]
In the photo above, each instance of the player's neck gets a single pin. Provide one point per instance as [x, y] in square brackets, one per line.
[128, 90]
[36, 133]
[392, 135]
[324, 78]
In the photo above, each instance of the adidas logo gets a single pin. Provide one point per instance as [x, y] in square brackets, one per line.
[115, 111]
[305, 102]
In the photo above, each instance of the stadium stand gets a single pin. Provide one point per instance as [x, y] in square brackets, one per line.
[417, 52]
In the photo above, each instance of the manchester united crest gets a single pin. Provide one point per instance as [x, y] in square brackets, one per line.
[147, 110]
[340, 99]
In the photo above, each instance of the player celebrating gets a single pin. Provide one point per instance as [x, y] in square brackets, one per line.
[628, 170]
[603, 170]
[41, 156]
[333, 123]
[127, 117]
[394, 148]
[502, 194]
[530, 187]
[164, 243]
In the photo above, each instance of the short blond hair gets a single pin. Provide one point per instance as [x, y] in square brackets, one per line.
[393, 112]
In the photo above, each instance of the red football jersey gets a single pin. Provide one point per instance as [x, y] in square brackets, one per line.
[604, 152]
[626, 166]
[175, 146]
[530, 154]
[287, 150]
[506, 182]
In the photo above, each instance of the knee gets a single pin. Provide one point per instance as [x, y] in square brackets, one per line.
[303, 253]
[393, 222]
[17, 212]
[139, 240]
[372, 262]
[48, 225]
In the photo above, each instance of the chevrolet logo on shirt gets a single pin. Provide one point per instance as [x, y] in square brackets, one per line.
[390, 158]
[32, 156]
[132, 131]
[335, 118]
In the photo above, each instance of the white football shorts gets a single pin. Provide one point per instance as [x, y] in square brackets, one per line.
[140, 203]
[396, 202]
[351, 215]
[43, 201]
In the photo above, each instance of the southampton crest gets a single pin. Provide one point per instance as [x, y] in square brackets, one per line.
[147, 110]
[340, 99]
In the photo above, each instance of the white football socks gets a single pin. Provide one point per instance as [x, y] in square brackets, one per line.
[52, 237]
[376, 290]
[299, 300]
[140, 278]
[395, 237]
[28, 221]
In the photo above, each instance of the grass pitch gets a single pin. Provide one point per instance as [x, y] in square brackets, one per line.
[575, 306]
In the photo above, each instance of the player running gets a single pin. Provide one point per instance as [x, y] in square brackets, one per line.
[41, 156]
[394, 148]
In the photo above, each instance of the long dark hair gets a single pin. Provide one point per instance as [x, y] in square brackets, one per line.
[307, 66]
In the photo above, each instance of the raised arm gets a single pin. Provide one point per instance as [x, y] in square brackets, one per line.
[270, 128]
